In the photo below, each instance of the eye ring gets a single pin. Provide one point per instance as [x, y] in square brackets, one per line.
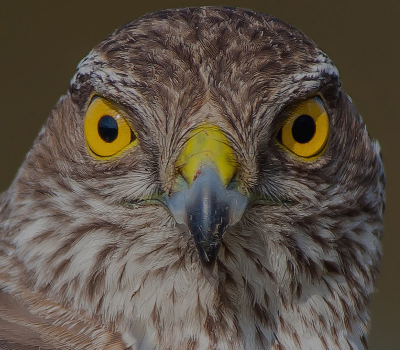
[106, 130]
[305, 132]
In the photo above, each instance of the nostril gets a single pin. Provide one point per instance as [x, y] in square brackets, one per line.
[197, 174]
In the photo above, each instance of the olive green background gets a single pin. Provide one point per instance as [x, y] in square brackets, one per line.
[41, 42]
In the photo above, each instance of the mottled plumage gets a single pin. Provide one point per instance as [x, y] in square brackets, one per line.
[88, 260]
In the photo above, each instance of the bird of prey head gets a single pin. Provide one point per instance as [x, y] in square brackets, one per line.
[204, 184]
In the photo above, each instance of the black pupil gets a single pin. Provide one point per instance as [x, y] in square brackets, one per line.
[303, 129]
[108, 128]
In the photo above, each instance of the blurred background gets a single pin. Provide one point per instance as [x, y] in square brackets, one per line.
[42, 41]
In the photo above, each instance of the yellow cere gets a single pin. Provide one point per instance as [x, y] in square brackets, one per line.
[98, 109]
[314, 108]
[207, 146]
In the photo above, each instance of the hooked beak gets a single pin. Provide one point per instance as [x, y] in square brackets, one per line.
[202, 204]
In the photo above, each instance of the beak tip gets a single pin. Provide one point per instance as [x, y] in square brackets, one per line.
[206, 210]
[207, 267]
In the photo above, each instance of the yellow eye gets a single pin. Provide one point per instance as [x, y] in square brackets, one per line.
[305, 132]
[106, 130]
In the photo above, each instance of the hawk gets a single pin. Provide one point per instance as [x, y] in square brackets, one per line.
[204, 184]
